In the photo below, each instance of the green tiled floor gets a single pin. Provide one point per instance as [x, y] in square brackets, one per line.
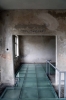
[29, 93]
[33, 79]
[11, 93]
[31, 71]
[46, 92]
[31, 75]
[32, 84]
[44, 84]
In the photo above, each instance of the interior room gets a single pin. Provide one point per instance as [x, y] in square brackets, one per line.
[32, 50]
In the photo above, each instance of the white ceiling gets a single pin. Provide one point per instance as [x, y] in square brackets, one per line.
[33, 4]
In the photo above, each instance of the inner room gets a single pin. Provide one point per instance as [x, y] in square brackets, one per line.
[34, 52]
[36, 49]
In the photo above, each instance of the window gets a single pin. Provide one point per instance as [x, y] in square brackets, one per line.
[16, 46]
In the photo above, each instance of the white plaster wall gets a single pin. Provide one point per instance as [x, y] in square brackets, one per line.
[7, 69]
[37, 49]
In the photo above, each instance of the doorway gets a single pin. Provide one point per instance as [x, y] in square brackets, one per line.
[36, 49]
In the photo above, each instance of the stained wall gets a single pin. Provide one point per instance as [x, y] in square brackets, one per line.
[31, 22]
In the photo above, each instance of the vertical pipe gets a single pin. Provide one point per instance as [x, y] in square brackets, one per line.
[59, 84]
[65, 85]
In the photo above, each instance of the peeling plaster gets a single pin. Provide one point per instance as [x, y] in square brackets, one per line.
[6, 56]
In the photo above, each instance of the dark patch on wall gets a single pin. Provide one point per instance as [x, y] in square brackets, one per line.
[23, 55]
[33, 31]
[48, 39]
[0, 42]
[30, 26]
[7, 14]
[1, 17]
[56, 14]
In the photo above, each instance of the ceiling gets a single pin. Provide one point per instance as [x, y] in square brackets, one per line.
[32, 4]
